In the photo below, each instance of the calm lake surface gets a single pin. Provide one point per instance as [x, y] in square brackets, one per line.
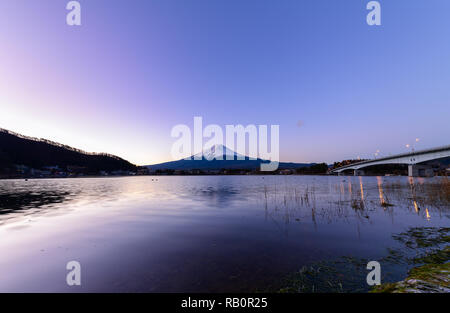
[200, 233]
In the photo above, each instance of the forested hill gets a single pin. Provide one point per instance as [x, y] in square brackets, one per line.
[35, 153]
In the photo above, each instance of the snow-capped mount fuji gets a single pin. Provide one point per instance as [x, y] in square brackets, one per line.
[209, 160]
[218, 152]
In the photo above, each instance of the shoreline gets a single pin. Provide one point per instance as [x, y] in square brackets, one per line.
[202, 175]
[429, 278]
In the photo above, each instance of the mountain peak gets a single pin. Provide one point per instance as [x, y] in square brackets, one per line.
[217, 152]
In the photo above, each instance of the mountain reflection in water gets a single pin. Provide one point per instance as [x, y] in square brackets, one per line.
[202, 233]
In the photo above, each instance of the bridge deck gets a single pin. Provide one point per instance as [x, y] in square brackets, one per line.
[402, 155]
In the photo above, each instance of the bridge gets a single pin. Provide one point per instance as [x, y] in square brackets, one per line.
[414, 160]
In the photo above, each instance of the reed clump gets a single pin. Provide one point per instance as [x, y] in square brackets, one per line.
[438, 193]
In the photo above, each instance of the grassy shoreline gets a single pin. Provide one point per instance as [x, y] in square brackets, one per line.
[424, 250]
[430, 278]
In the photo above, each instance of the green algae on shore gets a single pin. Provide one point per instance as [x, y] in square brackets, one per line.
[430, 278]
[341, 275]
[433, 276]
[425, 248]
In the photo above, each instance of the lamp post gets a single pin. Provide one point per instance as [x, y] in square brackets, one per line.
[413, 145]
[415, 142]
[376, 153]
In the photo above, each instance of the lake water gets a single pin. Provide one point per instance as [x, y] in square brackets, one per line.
[200, 233]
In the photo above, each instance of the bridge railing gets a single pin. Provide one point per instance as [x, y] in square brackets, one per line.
[402, 155]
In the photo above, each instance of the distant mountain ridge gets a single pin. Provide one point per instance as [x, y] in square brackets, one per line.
[16, 149]
[206, 164]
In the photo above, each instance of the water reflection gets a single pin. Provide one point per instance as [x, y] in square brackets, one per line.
[221, 195]
[200, 234]
[380, 191]
[361, 188]
[296, 203]
[22, 198]
[284, 199]
[21, 201]
[416, 207]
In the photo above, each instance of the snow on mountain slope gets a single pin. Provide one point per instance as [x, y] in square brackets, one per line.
[218, 152]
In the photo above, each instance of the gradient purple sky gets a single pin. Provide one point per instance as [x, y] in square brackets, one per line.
[135, 69]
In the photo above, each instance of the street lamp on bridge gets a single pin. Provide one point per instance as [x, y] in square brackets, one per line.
[413, 145]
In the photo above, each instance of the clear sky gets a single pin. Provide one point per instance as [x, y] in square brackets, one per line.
[337, 87]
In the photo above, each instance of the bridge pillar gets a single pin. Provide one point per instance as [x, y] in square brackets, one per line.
[420, 170]
[358, 173]
[412, 171]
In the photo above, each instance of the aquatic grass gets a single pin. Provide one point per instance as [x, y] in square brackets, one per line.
[350, 199]
[421, 246]
[357, 204]
[430, 278]
[435, 193]
[342, 275]
[438, 193]
[348, 274]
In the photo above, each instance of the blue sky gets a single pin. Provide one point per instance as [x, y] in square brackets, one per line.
[135, 69]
